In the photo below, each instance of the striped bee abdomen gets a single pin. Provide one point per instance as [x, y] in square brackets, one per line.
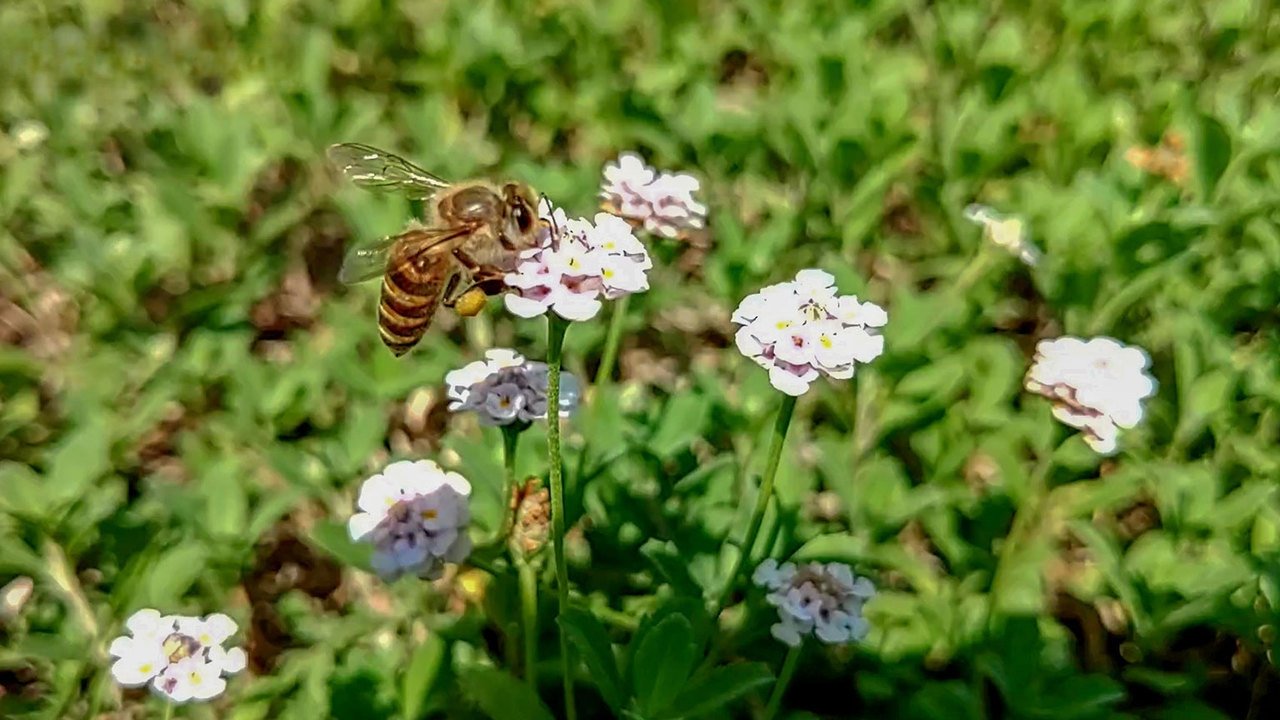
[411, 292]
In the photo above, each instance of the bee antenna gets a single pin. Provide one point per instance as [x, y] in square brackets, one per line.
[555, 226]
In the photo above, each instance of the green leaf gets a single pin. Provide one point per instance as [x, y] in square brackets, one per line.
[424, 671]
[173, 574]
[663, 663]
[682, 422]
[1021, 588]
[48, 646]
[363, 432]
[225, 503]
[673, 567]
[717, 689]
[78, 460]
[1081, 696]
[936, 381]
[24, 494]
[16, 556]
[1212, 153]
[1209, 394]
[501, 696]
[332, 537]
[269, 509]
[592, 641]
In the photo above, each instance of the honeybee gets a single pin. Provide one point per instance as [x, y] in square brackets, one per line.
[474, 235]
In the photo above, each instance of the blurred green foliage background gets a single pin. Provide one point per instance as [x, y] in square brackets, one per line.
[188, 400]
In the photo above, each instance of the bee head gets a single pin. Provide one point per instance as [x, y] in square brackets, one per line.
[522, 216]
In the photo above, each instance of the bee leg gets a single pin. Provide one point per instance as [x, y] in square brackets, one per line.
[467, 261]
[449, 295]
[486, 278]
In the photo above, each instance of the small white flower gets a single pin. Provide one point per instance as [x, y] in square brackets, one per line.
[628, 173]
[825, 600]
[1097, 386]
[29, 134]
[209, 631]
[190, 679]
[508, 389]
[182, 657]
[788, 631]
[230, 661]
[662, 204]
[578, 262]
[416, 515]
[137, 661]
[1009, 233]
[802, 329]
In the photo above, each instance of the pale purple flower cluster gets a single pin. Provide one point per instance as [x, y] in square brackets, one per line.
[504, 388]
[416, 516]
[661, 203]
[1096, 386]
[802, 329]
[578, 263]
[825, 600]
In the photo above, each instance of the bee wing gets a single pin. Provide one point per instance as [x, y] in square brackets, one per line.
[367, 263]
[379, 170]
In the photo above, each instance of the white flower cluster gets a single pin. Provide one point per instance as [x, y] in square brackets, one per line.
[182, 657]
[577, 263]
[802, 329]
[1096, 386]
[1009, 233]
[416, 516]
[826, 600]
[661, 203]
[504, 388]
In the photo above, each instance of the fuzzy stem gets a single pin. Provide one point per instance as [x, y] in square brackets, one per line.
[789, 666]
[168, 711]
[780, 427]
[556, 329]
[529, 615]
[604, 374]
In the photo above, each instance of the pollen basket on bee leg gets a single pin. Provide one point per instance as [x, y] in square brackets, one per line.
[471, 303]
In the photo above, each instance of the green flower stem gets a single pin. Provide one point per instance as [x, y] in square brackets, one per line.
[604, 374]
[784, 679]
[556, 329]
[975, 269]
[780, 427]
[1026, 519]
[168, 710]
[529, 617]
[510, 442]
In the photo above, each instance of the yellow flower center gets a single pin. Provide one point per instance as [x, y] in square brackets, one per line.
[430, 514]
